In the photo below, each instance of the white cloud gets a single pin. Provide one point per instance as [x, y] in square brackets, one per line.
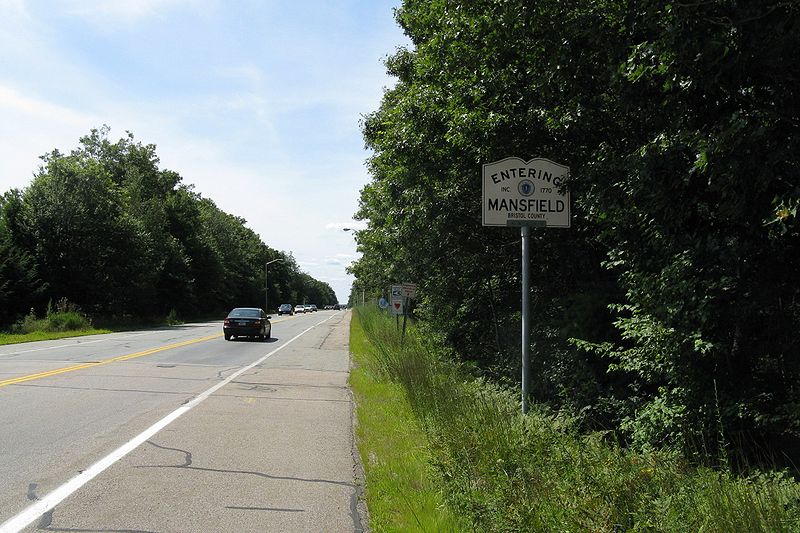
[101, 12]
[341, 259]
[246, 73]
[351, 225]
[11, 101]
[31, 127]
[11, 8]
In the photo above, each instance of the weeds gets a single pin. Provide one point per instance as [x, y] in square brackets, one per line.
[509, 472]
[65, 320]
[172, 318]
[65, 317]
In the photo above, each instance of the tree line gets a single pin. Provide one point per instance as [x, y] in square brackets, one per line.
[110, 231]
[669, 312]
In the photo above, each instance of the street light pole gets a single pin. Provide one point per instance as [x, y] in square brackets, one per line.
[363, 290]
[266, 283]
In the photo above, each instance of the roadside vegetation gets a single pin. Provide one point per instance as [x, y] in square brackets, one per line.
[667, 316]
[66, 319]
[403, 492]
[427, 429]
[63, 320]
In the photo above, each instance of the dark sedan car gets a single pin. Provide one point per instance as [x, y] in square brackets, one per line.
[247, 322]
[285, 309]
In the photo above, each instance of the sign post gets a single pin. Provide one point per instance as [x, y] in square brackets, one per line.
[526, 194]
[401, 296]
[409, 291]
[526, 316]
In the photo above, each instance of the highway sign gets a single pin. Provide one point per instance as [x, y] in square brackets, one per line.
[397, 292]
[396, 300]
[525, 193]
[409, 290]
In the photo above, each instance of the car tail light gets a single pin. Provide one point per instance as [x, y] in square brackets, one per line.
[226, 322]
[257, 322]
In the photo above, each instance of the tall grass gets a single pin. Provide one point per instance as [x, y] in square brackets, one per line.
[509, 472]
[402, 491]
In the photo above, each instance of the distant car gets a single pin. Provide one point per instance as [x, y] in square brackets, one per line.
[313, 307]
[285, 309]
[247, 322]
[300, 308]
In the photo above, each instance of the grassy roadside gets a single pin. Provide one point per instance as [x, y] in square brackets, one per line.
[401, 489]
[15, 338]
[67, 321]
[502, 471]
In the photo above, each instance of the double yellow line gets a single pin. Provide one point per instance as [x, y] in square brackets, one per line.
[126, 357]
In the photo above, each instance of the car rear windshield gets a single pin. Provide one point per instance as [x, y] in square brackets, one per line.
[245, 313]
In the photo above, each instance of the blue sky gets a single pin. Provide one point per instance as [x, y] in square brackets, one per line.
[255, 103]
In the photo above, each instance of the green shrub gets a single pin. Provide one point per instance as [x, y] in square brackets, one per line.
[67, 321]
[172, 318]
[28, 324]
[66, 317]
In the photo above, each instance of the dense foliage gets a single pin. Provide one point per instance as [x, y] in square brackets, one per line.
[669, 311]
[500, 470]
[105, 228]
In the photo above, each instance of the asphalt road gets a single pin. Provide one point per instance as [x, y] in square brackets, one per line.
[176, 429]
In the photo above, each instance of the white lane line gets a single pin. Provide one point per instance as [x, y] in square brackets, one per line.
[49, 501]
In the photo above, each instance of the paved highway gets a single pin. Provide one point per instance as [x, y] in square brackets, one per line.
[176, 429]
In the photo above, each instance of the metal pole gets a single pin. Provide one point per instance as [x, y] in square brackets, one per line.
[405, 315]
[266, 282]
[526, 316]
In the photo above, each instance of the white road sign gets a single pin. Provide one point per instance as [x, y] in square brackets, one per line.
[409, 290]
[518, 192]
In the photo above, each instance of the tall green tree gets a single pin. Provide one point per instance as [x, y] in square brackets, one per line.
[87, 247]
[20, 285]
[105, 227]
[669, 310]
[698, 201]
